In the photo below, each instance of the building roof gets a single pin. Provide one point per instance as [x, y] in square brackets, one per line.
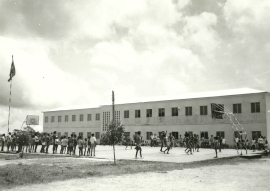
[218, 93]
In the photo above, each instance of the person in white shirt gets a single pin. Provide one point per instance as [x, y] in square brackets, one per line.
[152, 140]
[93, 141]
[224, 143]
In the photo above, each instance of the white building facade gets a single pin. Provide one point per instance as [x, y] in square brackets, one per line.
[186, 114]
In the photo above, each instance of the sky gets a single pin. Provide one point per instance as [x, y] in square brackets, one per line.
[74, 53]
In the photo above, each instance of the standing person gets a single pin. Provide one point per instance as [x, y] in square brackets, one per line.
[188, 144]
[85, 143]
[36, 141]
[129, 142]
[215, 144]
[32, 143]
[14, 142]
[162, 140]
[64, 143]
[170, 139]
[220, 143]
[211, 140]
[253, 145]
[223, 143]
[9, 141]
[138, 140]
[75, 142]
[43, 143]
[80, 145]
[88, 146]
[151, 139]
[93, 141]
[154, 140]
[54, 141]
[70, 144]
[236, 140]
[48, 141]
[197, 143]
[3, 139]
[260, 142]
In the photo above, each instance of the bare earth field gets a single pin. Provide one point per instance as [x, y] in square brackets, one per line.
[72, 173]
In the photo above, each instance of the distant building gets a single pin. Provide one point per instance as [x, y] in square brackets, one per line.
[178, 115]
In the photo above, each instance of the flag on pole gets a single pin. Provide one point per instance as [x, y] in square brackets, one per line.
[12, 70]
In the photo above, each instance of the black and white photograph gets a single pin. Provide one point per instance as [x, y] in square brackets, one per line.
[131, 95]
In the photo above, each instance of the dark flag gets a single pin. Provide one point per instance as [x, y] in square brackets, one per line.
[12, 71]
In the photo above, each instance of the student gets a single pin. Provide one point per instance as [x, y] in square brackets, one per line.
[168, 145]
[14, 142]
[9, 141]
[215, 144]
[74, 144]
[188, 144]
[253, 145]
[162, 140]
[138, 140]
[151, 139]
[170, 139]
[236, 140]
[48, 140]
[88, 146]
[85, 143]
[80, 145]
[3, 139]
[197, 142]
[36, 142]
[223, 143]
[154, 140]
[54, 141]
[43, 142]
[93, 141]
[70, 144]
[64, 143]
[129, 143]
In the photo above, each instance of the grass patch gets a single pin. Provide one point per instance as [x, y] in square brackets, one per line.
[52, 169]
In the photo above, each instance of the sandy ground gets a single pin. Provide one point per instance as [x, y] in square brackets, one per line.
[238, 177]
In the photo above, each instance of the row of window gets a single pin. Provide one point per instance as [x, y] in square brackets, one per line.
[89, 134]
[89, 118]
[237, 108]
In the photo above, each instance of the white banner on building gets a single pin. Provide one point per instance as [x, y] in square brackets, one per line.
[32, 120]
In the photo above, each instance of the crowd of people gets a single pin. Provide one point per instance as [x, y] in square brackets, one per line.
[28, 142]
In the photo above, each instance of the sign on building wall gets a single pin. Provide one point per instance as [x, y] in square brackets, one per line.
[32, 120]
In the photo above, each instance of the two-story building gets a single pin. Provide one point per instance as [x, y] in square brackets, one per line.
[185, 113]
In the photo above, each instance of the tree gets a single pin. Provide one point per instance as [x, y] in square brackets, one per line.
[114, 135]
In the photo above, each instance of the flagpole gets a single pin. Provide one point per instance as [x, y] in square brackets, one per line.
[9, 101]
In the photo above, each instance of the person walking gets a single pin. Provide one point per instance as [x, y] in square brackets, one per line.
[138, 140]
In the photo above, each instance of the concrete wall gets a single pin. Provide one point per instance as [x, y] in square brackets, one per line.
[181, 123]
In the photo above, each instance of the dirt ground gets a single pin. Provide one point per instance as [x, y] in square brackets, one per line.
[249, 176]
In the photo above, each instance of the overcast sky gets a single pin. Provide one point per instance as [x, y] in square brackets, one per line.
[76, 52]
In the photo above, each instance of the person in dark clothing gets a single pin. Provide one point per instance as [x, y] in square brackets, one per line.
[75, 142]
[47, 138]
[3, 139]
[21, 141]
[54, 142]
[162, 140]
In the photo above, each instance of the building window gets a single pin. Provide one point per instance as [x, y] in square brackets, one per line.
[204, 134]
[203, 110]
[97, 135]
[255, 107]
[52, 119]
[59, 118]
[137, 113]
[188, 111]
[161, 112]
[73, 117]
[126, 114]
[81, 134]
[46, 119]
[81, 117]
[174, 111]
[89, 117]
[256, 135]
[97, 116]
[66, 118]
[89, 135]
[148, 135]
[237, 108]
[149, 113]
[221, 134]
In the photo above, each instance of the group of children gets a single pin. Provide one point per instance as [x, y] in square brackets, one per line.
[29, 143]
